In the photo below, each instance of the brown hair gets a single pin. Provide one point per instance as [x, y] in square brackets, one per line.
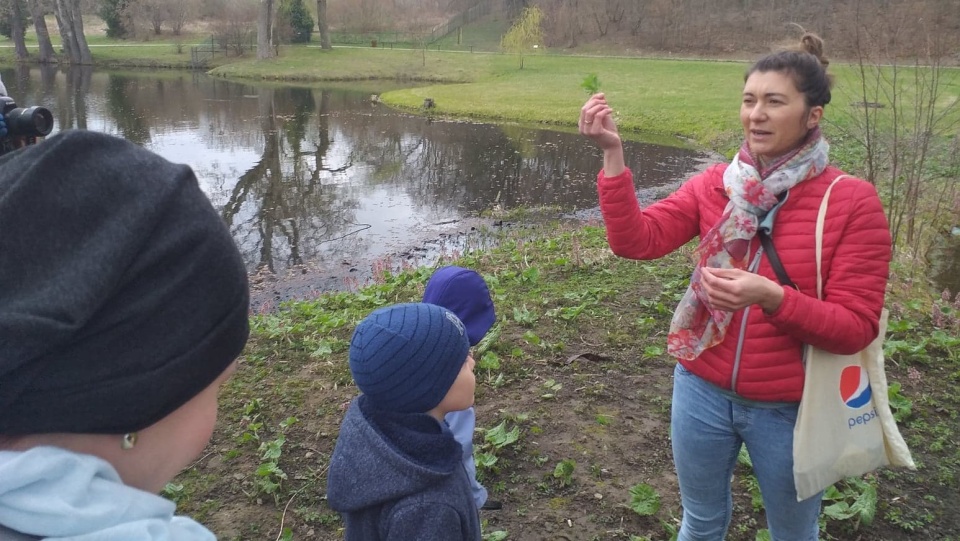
[805, 64]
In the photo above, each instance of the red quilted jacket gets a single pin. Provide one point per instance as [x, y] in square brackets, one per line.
[856, 259]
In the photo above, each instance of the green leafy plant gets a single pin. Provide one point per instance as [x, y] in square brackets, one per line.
[524, 316]
[494, 441]
[644, 500]
[269, 476]
[854, 499]
[552, 387]
[489, 361]
[563, 472]
[499, 437]
[901, 406]
[591, 83]
[173, 492]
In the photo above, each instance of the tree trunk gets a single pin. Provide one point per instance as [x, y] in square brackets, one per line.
[17, 32]
[76, 20]
[265, 30]
[46, 54]
[66, 34]
[71, 32]
[322, 26]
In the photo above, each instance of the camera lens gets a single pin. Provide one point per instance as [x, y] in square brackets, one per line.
[29, 121]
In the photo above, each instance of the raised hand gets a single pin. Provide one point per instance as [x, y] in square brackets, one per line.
[596, 122]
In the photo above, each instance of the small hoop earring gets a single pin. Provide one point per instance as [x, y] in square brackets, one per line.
[128, 441]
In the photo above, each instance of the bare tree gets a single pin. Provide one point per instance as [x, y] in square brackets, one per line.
[903, 118]
[155, 12]
[17, 30]
[234, 30]
[634, 16]
[46, 54]
[179, 12]
[322, 25]
[607, 12]
[71, 32]
[265, 30]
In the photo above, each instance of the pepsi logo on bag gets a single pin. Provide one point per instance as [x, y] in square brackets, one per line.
[854, 387]
[855, 393]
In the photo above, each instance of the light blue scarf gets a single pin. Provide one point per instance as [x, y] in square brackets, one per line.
[65, 496]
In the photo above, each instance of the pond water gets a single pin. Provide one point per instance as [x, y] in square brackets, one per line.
[326, 178]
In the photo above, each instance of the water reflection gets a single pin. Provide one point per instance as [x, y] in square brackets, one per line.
[323, 176]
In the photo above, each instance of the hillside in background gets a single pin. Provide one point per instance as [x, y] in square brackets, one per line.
[708, 28]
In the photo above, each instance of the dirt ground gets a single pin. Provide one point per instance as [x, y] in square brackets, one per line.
[631, 447]
[591, 388]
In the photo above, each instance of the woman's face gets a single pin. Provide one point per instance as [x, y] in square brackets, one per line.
[774, 114]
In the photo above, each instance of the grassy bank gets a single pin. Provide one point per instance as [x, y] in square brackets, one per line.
[573, 406]
[653, 96]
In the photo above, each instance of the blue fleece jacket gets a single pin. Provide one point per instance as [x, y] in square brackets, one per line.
[399, 477]
[55, 494]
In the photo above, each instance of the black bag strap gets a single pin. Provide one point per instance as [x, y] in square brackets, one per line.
[771, 252]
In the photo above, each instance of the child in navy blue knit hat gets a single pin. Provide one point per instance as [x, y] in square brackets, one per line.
[396, 472]
[465, 293]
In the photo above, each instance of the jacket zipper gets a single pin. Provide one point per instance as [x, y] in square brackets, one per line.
[754, 265]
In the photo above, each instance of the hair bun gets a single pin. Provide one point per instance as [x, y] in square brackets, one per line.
[813, 44]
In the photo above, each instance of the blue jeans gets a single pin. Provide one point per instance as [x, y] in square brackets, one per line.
[462, 424]
[708, 429]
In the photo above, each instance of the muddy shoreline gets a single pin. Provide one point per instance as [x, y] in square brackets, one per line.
[311, 279]
[445, 240]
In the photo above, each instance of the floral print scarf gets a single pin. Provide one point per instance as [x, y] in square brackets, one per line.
[695, 326]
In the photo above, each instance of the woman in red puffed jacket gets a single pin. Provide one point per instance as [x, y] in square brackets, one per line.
[738, 333]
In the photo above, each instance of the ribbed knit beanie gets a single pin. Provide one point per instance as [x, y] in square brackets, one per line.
[465, 293]
[405, 357]
[122, 293]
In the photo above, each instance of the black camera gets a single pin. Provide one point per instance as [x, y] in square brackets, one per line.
[25, 123]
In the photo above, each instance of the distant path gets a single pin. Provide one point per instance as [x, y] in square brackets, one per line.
[11, 46]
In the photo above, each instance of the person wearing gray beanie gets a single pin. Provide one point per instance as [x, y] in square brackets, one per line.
[124, 304]
[396, 472]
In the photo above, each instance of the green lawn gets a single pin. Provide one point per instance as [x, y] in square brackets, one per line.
[695, 99]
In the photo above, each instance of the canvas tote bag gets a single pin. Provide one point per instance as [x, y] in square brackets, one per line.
[844, 426]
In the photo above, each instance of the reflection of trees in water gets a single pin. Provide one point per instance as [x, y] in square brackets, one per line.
[290, 166]
[131, 122]
[474, 166]
[280, 208]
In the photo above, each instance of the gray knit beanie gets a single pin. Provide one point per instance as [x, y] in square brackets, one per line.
[122, 293]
